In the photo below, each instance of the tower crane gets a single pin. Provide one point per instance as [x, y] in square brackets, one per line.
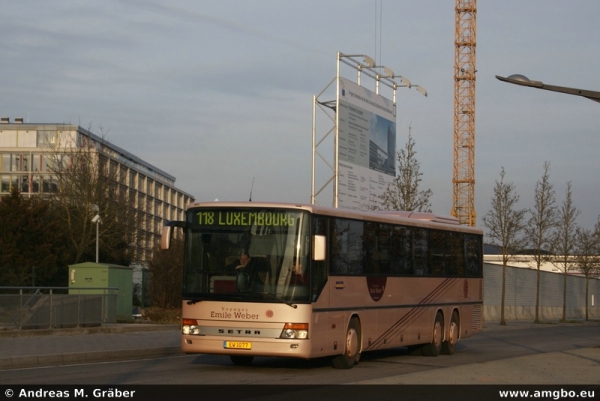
[463, 181]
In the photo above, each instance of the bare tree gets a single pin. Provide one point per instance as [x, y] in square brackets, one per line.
[564, 241]
[587, 257]
[505, 224]
[404, 192]
[84, 175]
[166, 275]
[540, 227]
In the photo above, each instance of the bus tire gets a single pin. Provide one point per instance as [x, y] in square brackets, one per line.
[239, 360]
[449, 345]
[351, 353]
[435, 346]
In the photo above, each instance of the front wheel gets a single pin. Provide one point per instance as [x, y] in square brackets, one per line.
[351, 354]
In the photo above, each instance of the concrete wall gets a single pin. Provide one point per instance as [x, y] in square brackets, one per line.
[519, 301]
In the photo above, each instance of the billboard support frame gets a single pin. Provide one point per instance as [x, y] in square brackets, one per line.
[330, 108]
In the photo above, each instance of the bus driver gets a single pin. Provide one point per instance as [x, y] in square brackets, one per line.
[256, 270]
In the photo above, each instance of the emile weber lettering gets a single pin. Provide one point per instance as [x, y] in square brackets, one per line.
[241, 218]
[228, 313]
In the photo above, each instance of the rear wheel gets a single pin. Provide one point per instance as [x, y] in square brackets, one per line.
[351, 353]
[435, 346]
[448, 346]
[241, 360]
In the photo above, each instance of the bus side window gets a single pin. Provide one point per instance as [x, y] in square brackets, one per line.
[402, 250]
[347, 247]
[421, 252]
[377, 239]
[473, 256]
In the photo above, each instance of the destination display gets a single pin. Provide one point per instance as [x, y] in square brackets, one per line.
[246, 218]
[367, 146]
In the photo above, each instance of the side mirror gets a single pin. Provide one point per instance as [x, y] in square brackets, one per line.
[165, 238]
[319, 247]
[167, 234]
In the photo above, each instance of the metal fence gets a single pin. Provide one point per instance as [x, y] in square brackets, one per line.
[521, 287]
[56, 307]
[61, 307]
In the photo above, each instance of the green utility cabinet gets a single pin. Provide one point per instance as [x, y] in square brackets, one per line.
[104, 275]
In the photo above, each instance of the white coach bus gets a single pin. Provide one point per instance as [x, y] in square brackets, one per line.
[306, 281]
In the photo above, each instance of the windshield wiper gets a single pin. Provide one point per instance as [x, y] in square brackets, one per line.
[283, 301]
[220, 296]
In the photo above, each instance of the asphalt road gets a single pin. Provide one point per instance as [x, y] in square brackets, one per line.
[520, 353]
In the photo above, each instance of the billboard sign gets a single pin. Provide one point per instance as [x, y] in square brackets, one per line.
[366, 146]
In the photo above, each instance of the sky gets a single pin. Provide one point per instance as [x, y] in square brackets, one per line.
[220, 93]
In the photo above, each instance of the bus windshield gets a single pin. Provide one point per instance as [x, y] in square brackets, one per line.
[247, 254]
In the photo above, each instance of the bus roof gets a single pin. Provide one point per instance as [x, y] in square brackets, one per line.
[421, 219]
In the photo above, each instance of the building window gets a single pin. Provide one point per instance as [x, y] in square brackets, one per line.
[45, 139]
[38, 162]
[6, 162]
[5, 183]
[36, 181]
[49, 184]
[149, 183]
[122, 174]
[141, 202]
[24, 183]
[24, 163]
[112, 174]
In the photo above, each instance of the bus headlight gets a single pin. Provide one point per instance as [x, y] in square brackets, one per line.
[190, 326]
[295, 331]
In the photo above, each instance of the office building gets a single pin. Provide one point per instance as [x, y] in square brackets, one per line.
[27, 149]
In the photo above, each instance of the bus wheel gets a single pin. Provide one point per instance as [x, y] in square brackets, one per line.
[241, 360]
[351, 353]
[448, 346]
[435, 346]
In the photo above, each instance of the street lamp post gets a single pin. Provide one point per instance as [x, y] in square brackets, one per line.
[522, 80]
[97, 220]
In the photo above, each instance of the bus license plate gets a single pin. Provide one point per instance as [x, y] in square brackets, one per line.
[237, 345]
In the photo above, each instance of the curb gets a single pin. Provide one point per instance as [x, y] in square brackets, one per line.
[86, 357]
[123, 328]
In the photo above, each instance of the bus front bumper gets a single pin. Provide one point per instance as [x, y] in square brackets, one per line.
[245, 346]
